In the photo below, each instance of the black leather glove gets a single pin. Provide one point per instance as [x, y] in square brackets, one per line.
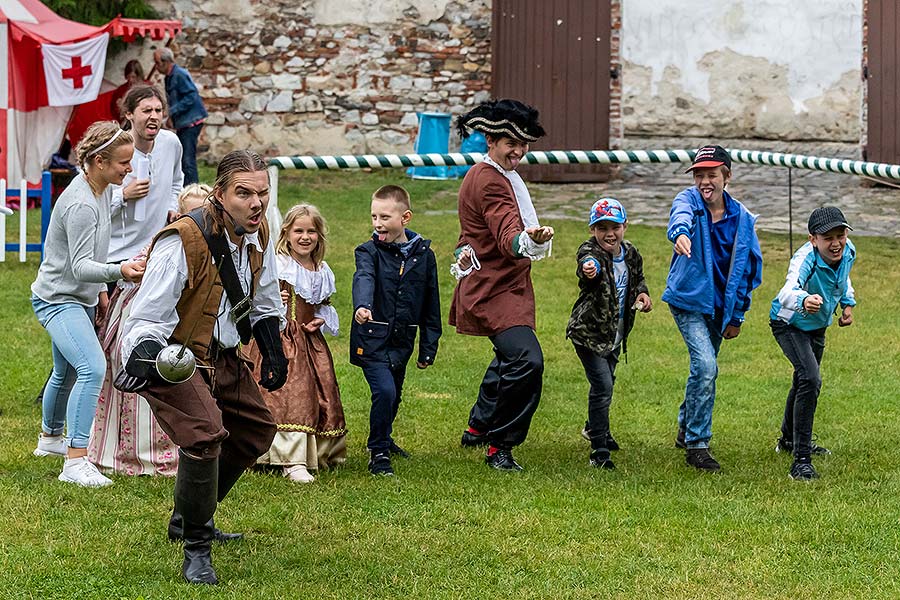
[140, 370]
[273, 371]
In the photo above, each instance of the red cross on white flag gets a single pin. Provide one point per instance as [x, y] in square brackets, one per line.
[74, 72]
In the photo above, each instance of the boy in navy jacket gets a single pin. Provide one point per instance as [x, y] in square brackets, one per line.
[817, 282]
[395, 293]
[716, 264]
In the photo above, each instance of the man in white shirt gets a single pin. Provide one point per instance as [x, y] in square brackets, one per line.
[210, 280]
[148, 198]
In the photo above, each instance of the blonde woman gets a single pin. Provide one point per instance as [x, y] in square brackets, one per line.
[69, 291]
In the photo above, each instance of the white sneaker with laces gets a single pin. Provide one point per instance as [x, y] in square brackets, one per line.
[50, 446]
[83, 473]
[299, 474]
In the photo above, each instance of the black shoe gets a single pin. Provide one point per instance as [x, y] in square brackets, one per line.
[783, 445]
[398, 451]
[600, 460]
[679, 439]
[197, 566]
[502, 460]
[176, 531]
[471, 440]
[803, 471]
[700, 458]
[380, 464]
[611, 443]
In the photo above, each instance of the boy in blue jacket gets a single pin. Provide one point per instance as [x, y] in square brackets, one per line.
[818, 280]
[395, 292]
[715, 266]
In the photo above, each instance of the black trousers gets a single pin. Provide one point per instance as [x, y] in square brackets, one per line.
[600, 371]
[804, 349]
[386, 385]
[511, 388]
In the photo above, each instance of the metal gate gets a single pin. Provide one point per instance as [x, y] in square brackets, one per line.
[555, 55]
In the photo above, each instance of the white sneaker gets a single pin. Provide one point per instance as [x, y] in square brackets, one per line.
[83, 473]
[50, 446]
[299, 474]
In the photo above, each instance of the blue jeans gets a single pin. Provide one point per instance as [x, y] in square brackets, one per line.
[703, 338]
[79, 367]
[188, 138]
[386, 385]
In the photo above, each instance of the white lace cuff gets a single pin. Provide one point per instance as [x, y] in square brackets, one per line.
[458, 272]
[528, 247]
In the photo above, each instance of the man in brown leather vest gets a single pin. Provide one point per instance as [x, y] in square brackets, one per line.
[213, 280]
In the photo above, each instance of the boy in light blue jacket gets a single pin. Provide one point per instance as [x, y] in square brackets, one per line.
[818, 281]
[716, 264]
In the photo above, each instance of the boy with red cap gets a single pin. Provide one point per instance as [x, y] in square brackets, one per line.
[716, 264]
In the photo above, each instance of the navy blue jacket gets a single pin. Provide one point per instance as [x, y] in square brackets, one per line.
[185, 105]
[403, 295]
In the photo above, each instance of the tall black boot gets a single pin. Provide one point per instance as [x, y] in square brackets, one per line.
[176, 530]
[195, 500]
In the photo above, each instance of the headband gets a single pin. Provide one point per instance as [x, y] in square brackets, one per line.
[104, 145]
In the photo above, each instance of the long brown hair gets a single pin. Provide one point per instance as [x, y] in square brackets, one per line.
[236, 161]
[303, 210]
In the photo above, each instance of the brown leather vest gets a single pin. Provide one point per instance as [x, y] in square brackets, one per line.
[202, 275]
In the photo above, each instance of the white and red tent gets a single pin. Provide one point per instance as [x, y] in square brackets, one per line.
[48, 65]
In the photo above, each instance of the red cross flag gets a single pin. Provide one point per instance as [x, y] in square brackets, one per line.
[74, 72]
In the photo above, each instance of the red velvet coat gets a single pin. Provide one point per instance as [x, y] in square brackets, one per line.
[500, 295]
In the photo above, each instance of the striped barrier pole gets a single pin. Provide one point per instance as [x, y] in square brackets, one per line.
[565, 157]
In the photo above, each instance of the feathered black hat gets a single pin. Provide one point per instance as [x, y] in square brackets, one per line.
[506, 117]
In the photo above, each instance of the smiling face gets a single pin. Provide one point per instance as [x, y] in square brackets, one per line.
[830, 245]
[303, 238]
[506, 151]
[389, 219]
[117, 166]
[245, 198]
[146, 120]
[711, 182]
[609, 235]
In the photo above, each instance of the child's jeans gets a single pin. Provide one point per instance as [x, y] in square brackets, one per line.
[804, 349]
[703, 339]
[601, 375]
[386, 385]
[79, 366]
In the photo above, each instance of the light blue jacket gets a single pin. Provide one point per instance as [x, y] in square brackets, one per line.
[690, 282]
[808, 274]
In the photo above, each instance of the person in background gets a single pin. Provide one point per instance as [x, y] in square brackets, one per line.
[186, 109]
[134, 75]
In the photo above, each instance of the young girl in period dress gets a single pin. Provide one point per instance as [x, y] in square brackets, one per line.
[308, 408]
[126, 437]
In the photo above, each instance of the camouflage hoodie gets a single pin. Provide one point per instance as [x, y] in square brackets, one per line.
[595, 316]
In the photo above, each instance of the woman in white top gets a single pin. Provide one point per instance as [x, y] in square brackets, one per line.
[69, 291]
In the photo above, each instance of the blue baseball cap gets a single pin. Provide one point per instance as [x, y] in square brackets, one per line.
[607, 209]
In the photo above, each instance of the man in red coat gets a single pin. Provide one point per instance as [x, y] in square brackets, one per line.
[499, 238]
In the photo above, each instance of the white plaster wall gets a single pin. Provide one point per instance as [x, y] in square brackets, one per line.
[746, 68]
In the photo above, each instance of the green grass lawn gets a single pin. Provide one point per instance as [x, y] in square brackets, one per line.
[447, 526]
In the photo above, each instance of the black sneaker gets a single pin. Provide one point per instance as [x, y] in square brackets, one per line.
[398, 451]
[783, 445]
[471, 440]
[611, 443]
[600, 460]
[380, 464]
[502, 460]
[679, 439]
[803, 471]
[700, 458]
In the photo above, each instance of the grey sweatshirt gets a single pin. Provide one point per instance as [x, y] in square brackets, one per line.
[74, 266]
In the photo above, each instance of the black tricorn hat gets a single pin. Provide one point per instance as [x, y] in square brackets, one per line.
[506, 117]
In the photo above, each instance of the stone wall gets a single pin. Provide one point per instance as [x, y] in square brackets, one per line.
[325, 76]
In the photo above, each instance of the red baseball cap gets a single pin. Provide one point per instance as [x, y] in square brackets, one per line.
[710, 156]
